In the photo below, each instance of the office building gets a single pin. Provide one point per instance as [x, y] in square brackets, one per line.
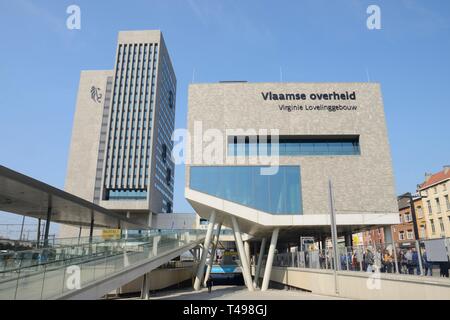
[120, 152]
[264, 154]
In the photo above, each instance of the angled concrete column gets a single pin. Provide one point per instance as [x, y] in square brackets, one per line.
[242, 255]
[145, 290]
[258, 266]
[201, 266]
[269, 262]
[247, 252]
[213, 253]
[48, 220]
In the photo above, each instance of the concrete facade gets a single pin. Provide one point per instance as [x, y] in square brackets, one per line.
[81, 174]
[363, 185]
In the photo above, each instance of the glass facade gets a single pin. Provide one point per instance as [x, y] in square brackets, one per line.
[276, 194]
[165, 167]
[127, 195]
[130, 128]
[250, 146]
[138, 134]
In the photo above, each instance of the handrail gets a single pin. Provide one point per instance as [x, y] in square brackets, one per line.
[83, 246]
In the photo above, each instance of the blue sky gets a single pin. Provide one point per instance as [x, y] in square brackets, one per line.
[310, 40]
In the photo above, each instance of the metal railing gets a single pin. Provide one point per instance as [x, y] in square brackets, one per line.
[420, 258]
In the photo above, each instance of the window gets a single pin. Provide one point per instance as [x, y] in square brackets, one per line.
[430, 211]
[171, 99]
[441, 224]
[164, 153]
[401, 235]
[438, 205]
[444, 187]
[293, 146]
[409, 234]
[433, 229]
[447, 202]
[126, 195]
[419, 211]
[277, 194]
[408, 217]
[435, 190]
[401, 218]
[168, 176]
[169, 207]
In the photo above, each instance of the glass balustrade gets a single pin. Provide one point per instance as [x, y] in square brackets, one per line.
[51, 272]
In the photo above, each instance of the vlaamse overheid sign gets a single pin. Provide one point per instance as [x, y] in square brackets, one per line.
[335, 96]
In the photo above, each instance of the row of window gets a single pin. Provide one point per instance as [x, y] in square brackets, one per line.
[438, 205]
[167, 196]
[167, 206]
[249, 146]
[435, 189]
[441, 225]
[126, 194]
[409, 235]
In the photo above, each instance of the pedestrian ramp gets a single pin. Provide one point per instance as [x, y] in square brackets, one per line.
[91, 270]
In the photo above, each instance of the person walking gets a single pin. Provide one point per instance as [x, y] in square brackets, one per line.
[355, 264]
[369, 260]
[427, 264]
[209, 284]
[403, 263]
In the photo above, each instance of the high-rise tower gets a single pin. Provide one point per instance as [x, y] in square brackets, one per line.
[120, 153]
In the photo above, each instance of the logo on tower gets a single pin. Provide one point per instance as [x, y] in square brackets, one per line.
[96, 95]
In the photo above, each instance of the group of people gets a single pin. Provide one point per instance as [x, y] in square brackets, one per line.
[384, 261]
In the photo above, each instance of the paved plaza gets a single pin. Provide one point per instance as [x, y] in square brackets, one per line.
[237, 293]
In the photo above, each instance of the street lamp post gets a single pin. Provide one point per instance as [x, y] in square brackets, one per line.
[409, 196]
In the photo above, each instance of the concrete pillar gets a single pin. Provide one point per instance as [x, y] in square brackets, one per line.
[247, 252]
[145, 289]
[156, 240]
[323, 243]
[348, 240]
[38, 243]
[258, 266]
[207, 244]
[47, 222]
[389, 240]
[212, 256]
[269, 262]
[242, 256]
[91, 227]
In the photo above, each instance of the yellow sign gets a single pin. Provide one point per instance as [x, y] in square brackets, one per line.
[109, 234]
[355, 239]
